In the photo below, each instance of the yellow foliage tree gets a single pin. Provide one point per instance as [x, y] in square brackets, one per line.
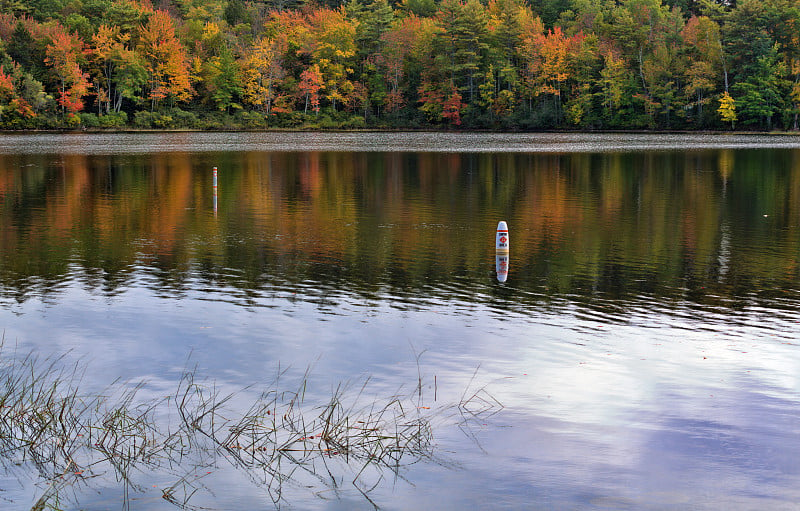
[727, 108]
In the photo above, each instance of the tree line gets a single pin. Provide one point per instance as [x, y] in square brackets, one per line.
[472, 64]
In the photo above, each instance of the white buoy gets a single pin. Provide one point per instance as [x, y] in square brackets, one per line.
[502, 237]
[501, 266]
[501, 256]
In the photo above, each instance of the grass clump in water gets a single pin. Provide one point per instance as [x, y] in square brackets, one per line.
[63, 442]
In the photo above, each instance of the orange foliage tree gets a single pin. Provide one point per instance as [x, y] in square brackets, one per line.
[310, 85]
[165, 60]
[6, 91]
[65, 54]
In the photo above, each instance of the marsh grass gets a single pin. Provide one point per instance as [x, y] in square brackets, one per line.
[69, 442]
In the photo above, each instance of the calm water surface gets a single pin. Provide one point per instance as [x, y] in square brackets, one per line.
[643, 354]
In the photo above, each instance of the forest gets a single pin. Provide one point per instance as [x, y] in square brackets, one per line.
[400, 64]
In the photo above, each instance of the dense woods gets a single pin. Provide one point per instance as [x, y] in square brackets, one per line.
[469, 64]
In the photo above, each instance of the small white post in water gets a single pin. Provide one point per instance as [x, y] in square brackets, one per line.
[502, 237]
[215, 191]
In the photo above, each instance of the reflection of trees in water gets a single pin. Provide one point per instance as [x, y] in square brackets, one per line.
[613, 226]
[69, 443]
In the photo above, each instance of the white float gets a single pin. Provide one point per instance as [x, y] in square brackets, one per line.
[501, 257]
[502, 237]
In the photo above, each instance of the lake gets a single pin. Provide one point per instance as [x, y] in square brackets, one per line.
[643, 353]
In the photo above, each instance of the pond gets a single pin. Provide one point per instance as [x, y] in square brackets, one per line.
[642, 353]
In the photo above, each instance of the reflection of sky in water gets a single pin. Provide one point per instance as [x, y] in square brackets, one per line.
[597, 415]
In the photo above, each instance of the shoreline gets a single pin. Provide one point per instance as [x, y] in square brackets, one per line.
[406, 130]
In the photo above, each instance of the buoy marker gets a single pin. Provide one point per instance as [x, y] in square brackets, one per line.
[502, 237]
[501, 249]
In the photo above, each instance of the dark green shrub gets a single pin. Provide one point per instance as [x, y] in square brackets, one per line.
[143, 119]
[89, 120]
[113, 120]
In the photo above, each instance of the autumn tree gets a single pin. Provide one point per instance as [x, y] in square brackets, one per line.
[105, 46]
[165, 60]
[121, 72]
[331, 45]
[548, 63]
[22, 97]
[65, 55]
[311, 82]
[398, 41]
[6, 92]
[425, 69]
[262, 73]
[705, 66]
[452, 107]
[727, 108]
